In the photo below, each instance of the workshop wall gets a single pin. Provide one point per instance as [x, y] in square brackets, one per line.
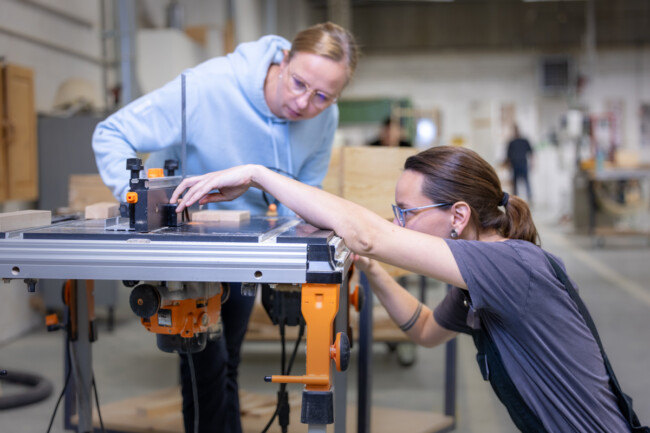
[471, 89]
[58, 40]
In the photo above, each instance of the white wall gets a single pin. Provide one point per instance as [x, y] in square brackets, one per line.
[56, 48]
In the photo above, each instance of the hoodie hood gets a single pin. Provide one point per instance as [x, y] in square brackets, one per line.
[246, 61]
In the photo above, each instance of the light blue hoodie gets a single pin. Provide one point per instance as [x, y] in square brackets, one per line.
[228, 124]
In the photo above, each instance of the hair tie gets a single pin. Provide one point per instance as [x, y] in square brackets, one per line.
[504, 199]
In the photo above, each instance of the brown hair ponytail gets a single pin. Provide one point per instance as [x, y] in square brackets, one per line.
[455, 174]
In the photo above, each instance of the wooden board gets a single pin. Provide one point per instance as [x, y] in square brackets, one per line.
[160, 412]
[21, 162]
[221, 215]
[4, 176]
[102, 210]
[86, 189]
[24, 219]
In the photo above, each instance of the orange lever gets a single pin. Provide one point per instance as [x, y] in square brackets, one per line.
[320, 303]
[356, 298]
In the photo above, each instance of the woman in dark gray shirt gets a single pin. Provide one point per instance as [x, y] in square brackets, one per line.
[454, 223]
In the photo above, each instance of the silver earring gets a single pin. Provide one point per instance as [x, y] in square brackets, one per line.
[453, 234]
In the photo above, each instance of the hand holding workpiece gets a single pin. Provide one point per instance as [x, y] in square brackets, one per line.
[224, 185]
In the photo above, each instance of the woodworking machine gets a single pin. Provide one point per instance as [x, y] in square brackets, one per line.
[177, 267]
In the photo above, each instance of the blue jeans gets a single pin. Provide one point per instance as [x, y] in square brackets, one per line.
[215, 368]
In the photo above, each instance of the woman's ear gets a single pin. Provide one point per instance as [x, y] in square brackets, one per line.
[460, 216]
[285, 59]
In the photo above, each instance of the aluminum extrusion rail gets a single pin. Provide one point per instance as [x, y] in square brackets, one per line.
[144, 259]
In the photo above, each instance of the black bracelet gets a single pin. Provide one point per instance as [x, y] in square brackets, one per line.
[414, 318]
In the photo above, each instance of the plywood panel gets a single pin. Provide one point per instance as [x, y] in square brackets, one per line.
[87, 189]
[367, 175]
[22, 158]
[334, 177]
[370, 174]
[4, 192]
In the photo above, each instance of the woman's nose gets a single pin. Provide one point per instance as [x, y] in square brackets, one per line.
[303, 100]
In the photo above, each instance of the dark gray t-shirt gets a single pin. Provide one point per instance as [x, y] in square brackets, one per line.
[546, 347]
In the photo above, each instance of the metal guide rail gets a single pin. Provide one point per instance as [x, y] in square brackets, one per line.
[262, 250]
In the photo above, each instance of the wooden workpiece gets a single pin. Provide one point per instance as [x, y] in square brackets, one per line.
[102, 210]
[24, 219]
[221, 215]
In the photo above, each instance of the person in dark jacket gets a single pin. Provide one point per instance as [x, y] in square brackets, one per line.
[519, 158]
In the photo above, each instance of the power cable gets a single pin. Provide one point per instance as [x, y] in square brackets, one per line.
[65, 386]
[282, 407]
[195, 394]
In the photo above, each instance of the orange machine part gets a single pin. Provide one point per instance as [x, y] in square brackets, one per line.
[320, 303]
[335, 352]
[155, 172]
[188, 316]
[51, 319]
[131, 197]
[354, 298]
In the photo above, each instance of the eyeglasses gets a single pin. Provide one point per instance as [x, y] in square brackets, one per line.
[298, 86]
[400, 213]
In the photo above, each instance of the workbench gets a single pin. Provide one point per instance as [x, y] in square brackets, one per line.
[271, 250]
[618, 178]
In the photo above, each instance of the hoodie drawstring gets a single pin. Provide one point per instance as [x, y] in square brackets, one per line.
[287, 140]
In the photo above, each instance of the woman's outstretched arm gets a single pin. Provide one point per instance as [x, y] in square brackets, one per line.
[363, 231]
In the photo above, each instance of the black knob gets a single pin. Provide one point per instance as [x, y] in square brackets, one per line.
[345, 351]
[144, 300]
[171, 165]
[135, 165]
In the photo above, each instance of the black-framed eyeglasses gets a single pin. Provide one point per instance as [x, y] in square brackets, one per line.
[400, 214]
[298, 86]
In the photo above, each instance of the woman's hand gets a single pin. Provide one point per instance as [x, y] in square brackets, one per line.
[362, 263]
[217, 186]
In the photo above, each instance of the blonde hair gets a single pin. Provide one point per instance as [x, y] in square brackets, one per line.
[328, 40]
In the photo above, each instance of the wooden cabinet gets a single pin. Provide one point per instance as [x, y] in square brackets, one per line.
[18, 147]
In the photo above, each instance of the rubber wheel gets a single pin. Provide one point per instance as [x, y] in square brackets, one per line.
[406, 354]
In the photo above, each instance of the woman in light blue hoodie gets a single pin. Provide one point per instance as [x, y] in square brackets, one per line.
[271, 103]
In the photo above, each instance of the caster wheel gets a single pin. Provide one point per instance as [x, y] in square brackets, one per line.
[406, 354]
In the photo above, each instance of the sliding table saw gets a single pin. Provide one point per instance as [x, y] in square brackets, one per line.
[279, 251]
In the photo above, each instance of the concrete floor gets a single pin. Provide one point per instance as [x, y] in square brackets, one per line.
[614, 283]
